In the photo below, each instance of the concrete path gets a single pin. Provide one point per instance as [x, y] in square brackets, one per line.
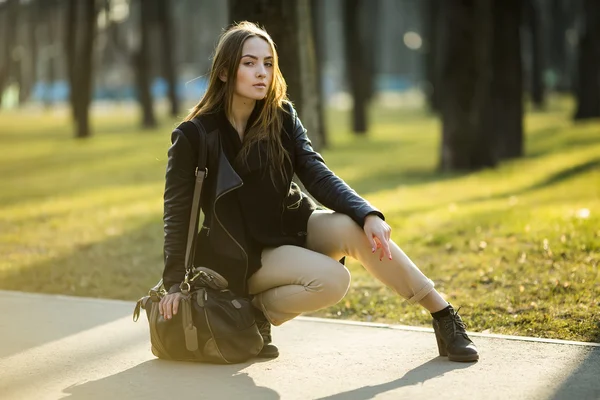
[54, 347]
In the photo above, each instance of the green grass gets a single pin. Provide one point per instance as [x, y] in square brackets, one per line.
[514, 246]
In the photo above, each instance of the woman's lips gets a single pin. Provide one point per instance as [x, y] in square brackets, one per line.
[260, 86]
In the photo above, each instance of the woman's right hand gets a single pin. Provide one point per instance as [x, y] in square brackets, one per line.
[169, 305]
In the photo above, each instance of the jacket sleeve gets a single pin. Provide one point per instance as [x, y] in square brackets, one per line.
[179, 191]
[322, 183]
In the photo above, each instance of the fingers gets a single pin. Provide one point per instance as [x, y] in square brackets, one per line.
[386, 249]
[169, 305]
[175, 304]
[161, 306]
[384, 243]
[372, 241]
[379, 238]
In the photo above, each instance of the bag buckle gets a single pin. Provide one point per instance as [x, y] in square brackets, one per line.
[185, 287]
[205, 172]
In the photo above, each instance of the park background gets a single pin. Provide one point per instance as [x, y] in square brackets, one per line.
[474, 125]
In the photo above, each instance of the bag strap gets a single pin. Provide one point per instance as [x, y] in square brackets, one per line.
[201, 174]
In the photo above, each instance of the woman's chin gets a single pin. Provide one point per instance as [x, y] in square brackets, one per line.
[254, 96]
[258, 97]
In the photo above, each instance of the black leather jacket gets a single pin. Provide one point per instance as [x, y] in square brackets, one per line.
[221, 243]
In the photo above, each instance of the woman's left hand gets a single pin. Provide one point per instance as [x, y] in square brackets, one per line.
[378, 232]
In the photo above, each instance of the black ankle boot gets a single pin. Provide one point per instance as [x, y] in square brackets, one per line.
[452, 339]
[264, 327]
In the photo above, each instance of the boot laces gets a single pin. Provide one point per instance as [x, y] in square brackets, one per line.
[455, 322]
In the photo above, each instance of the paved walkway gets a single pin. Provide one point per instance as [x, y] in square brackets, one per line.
[55, 347]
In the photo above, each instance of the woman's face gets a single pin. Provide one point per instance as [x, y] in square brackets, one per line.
[255, 71]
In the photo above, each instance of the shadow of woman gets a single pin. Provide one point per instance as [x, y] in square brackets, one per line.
[431, 369]
[155, 379]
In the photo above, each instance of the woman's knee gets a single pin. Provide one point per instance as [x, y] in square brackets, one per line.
[334, 283]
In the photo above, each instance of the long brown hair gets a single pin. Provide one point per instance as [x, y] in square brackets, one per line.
[267, 126]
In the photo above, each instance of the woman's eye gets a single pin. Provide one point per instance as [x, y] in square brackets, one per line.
[269, 64]
[249, 63]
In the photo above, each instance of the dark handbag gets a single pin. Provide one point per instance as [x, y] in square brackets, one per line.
[213, 324]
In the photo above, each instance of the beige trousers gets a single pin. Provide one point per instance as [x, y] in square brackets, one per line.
[293, 280]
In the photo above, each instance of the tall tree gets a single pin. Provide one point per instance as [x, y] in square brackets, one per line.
[319, 40]
[588, 79]
[70, 51]
[29, 55]
[507, 82]
[289, 24]
[465, 81]
[80, 34]
[357, 70]
[533, 21]
[9, 12]
[50, 13]
[559, 18]
[168, 52]
[142, 64]
[431, 21]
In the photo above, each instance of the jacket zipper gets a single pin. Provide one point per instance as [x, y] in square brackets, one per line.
[230, 235]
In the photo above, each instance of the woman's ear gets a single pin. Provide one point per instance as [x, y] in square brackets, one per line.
[223, 76]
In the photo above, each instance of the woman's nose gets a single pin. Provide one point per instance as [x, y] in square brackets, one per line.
[261, 72]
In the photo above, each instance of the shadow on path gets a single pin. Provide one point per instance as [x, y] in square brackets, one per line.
[159, 379]
[431, 369]
[583, 382]
[28, 325]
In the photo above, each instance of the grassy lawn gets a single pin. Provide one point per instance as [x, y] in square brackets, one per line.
[517, 247]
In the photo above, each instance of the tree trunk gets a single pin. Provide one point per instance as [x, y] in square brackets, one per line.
[507, 86]
[558, 48]
[51, 15]
[431, 13]
[356, 69]
[309, 74]
[70, 51]
[142, 66]
[30, 56]
[288, 23]
[168, 53]
[467, 141]
[10, 11]
[370, 42]
[588, 85]
[319, 40]
[532, 14]
[83, 79]
[79, 45]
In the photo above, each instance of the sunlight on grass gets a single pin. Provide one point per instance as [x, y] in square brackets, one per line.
[517, 247]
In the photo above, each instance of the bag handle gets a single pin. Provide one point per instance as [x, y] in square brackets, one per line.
[201, 173]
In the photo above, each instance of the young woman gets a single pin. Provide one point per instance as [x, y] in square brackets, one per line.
[260, 231]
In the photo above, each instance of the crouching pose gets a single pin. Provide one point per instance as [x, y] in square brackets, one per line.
[260, 232]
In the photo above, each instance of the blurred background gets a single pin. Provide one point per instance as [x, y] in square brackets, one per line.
[455, 57]
[473, 124]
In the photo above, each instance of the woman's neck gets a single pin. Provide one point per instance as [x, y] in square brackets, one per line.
[241, 108]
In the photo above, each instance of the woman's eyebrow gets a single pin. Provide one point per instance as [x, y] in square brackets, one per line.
[254, 57]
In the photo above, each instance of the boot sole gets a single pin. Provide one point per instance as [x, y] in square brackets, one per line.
[269, 351]
[466, 358]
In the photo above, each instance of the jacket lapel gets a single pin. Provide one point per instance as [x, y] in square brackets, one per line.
[226, 177]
